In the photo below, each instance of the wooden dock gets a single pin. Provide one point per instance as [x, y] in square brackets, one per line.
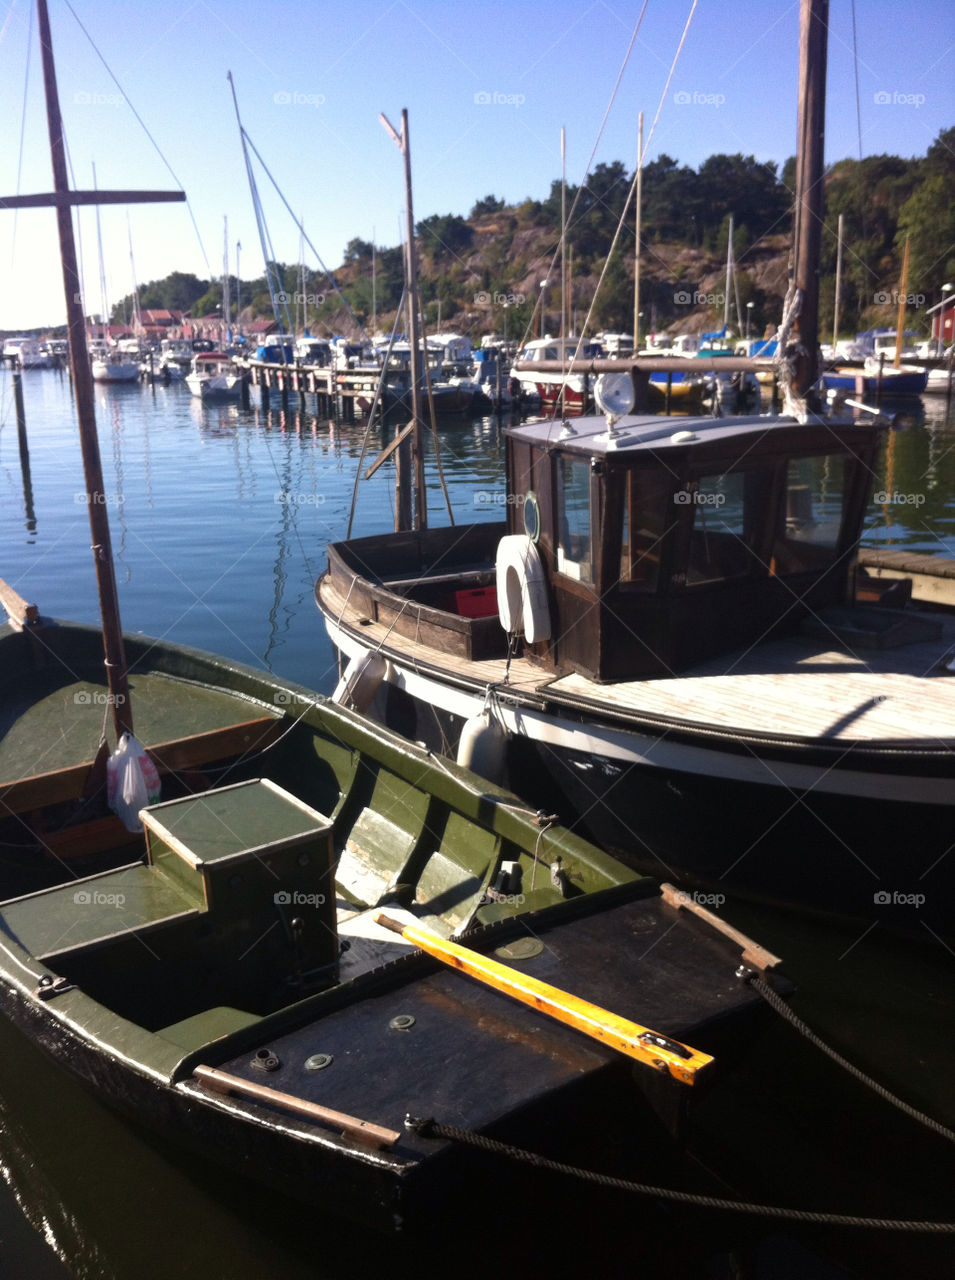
[339, 391]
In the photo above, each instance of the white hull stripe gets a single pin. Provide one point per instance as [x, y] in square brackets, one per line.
[634, 747]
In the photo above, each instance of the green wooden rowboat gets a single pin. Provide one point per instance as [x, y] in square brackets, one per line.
[222, 974]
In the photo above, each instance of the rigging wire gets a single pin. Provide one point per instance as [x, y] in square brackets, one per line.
[590, 159]
[23, 127]
[297, 221]
[633, 185]
[145, 129]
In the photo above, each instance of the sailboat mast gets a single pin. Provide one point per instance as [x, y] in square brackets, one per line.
[900, 318]
[636, 250]
[115, 657]
[729, 277]
[835, 305]
[403, 515]
[810, 158]
[226, 300]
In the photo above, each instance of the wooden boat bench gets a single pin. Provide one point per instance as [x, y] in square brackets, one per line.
[225, 869]
[39, 790]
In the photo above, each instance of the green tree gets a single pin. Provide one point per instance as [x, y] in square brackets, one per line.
[489, 204]
[444, 233]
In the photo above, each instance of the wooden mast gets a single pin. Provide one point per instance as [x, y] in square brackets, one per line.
[900, 318]
[810, 159]
[405, 517]
[63, 199]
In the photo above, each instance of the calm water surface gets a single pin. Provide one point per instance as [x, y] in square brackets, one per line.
[220, 519]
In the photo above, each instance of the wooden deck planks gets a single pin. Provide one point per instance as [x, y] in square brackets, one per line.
[792, 687]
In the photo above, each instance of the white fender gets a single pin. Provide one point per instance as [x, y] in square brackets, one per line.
[482, 746]
[522, 603]
[360, 681]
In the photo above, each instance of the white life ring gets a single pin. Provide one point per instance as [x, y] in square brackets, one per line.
[522, 604]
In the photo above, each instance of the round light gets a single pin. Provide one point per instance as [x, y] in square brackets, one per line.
[614, 393]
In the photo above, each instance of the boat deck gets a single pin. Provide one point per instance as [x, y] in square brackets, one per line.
[829, 682]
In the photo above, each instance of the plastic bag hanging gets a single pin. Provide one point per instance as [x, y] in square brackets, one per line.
[132, 781]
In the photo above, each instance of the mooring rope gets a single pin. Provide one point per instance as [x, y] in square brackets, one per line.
[431, 1128]
[775, 1002]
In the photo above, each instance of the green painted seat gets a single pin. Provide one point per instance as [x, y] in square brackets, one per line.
[379, 849]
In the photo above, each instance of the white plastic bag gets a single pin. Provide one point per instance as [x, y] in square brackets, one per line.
[132, 781]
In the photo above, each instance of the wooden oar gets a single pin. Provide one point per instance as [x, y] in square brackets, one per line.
[663, 1053]
[373, 1135]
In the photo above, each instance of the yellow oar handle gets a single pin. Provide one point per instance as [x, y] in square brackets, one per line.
[663, 1053]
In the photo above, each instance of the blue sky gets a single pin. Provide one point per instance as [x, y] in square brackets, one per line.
[488, 87]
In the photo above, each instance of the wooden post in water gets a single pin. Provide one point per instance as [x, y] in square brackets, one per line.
[810, 154]
[21, 419]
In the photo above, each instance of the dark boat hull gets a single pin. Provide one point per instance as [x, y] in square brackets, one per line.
[845, 832]
[472, 1059]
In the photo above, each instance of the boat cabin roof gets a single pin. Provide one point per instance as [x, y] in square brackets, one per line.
[633, 435]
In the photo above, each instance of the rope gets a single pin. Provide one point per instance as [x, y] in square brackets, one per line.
[433, 1129]
[762, 988]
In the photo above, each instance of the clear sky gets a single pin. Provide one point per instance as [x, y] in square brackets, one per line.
[488, 87]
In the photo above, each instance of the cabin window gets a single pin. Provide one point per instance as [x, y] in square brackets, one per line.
[644, 526]
[575, 545]
[809, 522]
[727, 519]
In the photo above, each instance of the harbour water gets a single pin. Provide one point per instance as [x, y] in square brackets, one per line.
[220, 517]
